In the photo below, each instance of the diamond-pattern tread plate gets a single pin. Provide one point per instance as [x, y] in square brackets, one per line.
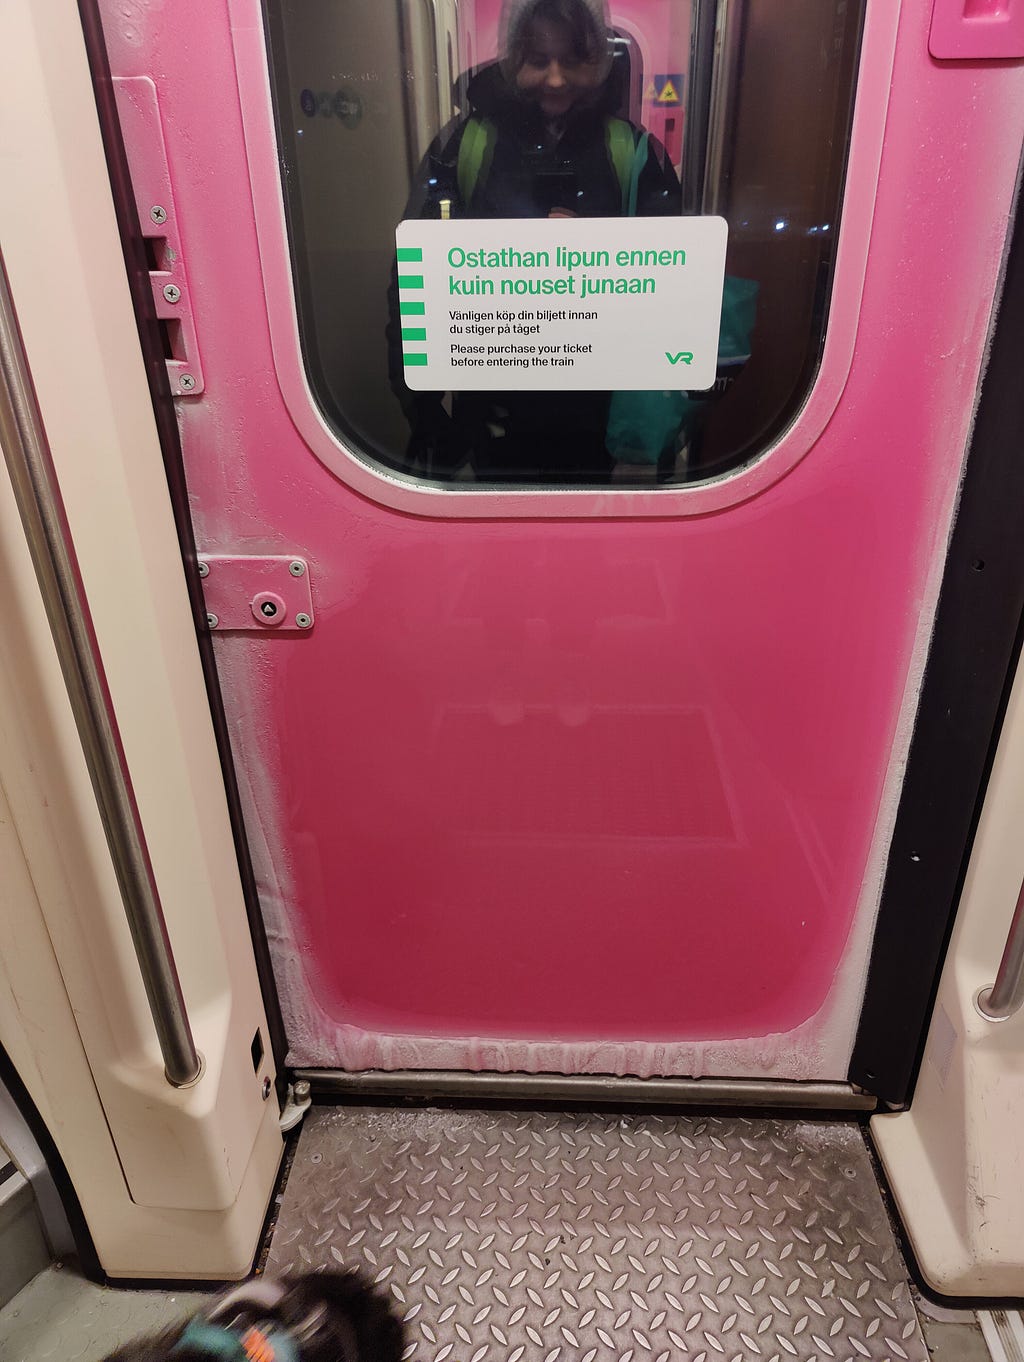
[544, 1237]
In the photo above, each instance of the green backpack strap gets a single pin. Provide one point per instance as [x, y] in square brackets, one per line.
[475, 152]
[639, 161]
[623, 152]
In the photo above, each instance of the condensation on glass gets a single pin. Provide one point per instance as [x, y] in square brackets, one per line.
[748, 104]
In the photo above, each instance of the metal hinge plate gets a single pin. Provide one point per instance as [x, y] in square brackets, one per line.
[139, 112]
[252, 592]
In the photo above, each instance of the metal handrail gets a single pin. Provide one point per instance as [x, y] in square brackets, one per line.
[37, 494]
[1006, 996]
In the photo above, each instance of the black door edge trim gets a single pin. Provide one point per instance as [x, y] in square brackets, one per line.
[972, 660]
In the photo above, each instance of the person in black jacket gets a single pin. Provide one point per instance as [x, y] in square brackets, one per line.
[538, 142]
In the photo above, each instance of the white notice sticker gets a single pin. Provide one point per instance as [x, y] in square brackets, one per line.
[584, 303]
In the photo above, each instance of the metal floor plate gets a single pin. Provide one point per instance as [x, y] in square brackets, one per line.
[511, 1235]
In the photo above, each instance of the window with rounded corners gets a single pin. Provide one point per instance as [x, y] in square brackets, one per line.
[748, 105]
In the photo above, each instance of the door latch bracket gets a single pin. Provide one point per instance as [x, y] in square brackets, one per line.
[262, 593]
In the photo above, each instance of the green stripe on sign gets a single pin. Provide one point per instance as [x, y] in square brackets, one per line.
[412, 309]
[414, 333]
[414, 360]
[408, 255]
[410, 281]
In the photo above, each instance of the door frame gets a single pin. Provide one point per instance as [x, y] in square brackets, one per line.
[971, 665]
[151, 345]
[957, 719]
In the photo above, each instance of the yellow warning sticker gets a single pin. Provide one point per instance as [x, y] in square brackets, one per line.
[666, 91]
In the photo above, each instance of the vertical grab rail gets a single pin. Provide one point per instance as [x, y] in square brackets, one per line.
[37, 494]
[1006, 995]
[697, 125]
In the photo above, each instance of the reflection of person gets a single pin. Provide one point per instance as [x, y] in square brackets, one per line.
[541, 140]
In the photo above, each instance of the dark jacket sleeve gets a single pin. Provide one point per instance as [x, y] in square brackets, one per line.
[658, 190]
[432, 434]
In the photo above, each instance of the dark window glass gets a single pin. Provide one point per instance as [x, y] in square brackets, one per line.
[748, 106]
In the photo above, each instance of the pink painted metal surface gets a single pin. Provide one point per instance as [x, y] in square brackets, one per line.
[971, 30]
[611, 792]
[260, 592]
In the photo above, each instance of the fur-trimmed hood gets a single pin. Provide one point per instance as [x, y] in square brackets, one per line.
[516, 14]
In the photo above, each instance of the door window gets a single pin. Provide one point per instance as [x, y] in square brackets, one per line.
[396, 109]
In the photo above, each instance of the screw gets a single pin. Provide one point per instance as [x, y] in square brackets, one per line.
[204, 569]
[158, 214]
[172, 292]
[212, 621]
[301, 1090]
[297, 568]
[267, 1085]
[186, 382]
[269, 609]
[302, 620]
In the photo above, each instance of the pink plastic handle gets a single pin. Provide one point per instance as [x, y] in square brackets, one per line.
[985, 30]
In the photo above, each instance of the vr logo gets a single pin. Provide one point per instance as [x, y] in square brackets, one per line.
[685, 355]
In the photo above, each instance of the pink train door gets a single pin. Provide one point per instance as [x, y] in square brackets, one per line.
[552, 763]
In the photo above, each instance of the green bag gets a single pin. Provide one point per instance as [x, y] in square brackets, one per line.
[739, 312]
[644, 426]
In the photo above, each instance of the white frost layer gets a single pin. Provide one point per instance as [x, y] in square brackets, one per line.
[817, 1050]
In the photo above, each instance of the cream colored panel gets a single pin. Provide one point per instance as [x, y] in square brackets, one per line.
[956, 1158]
[73, 1014]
